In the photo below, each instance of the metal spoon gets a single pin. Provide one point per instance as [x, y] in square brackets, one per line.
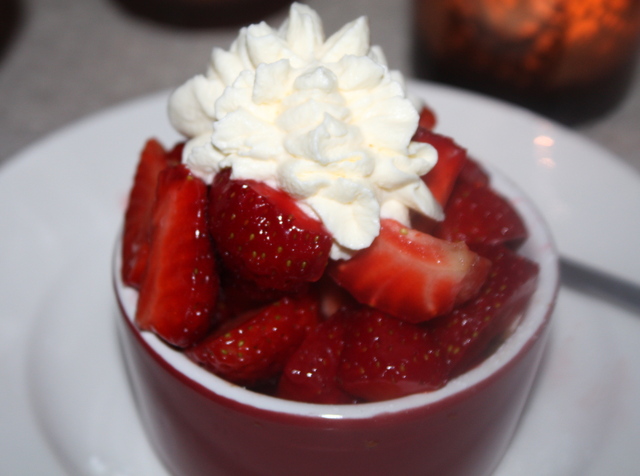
[611, 288]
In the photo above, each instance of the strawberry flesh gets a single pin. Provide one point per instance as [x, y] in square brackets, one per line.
[178, 293]
[411, 275]
[385, 358]
[137, 221]
[263, 236]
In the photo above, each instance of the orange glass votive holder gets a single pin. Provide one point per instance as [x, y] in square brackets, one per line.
[571, 60]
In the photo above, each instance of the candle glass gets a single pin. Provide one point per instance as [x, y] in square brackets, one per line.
[202, 13]
[572, 60]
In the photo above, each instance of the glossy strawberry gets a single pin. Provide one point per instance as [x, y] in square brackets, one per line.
[264, 236]
[310, 373]
[137, 222]
[254, 347]
[477, 214]
[451, 158]
[473, 174]
[238, 296]
[385, 358]
[427, 119]
[411, 275]
[174, 155]
[472, 331]
[330, 296]
[179, 289]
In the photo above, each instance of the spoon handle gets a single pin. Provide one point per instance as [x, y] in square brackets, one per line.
[586, 279]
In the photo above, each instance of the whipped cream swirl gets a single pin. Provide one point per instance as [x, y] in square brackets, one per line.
[322, 119]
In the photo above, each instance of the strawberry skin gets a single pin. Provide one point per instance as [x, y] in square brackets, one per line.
[427, 119]
[238, 295]
[263, 236]
[331, 297]
[385, 358]
[477, 214]
[451, 158]
[473, 174]
[178, 293]
[174, 156]
[254, 347]
[137, 221]
[310, 373]
[472, 331]
[411, 275]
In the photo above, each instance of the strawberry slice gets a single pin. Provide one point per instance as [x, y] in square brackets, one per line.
[427, 118]
[254, 347]
[174, 156]
[264, 236]
[474, 330]
[451, 158]
[473, 174]
[385, 358]
[238, 296]
[479, 215]
[310, 373]
[137, 221]
[179, 289]
[411, 275]
[331, 297]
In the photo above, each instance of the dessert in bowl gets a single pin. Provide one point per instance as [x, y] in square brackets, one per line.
[396, 329]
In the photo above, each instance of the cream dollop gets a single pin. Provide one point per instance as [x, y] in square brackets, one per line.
[324, 120]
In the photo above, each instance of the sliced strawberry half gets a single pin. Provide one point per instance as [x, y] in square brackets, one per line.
[178, 293]
[411, 275]
[262, 235]
[174, 155]
[238, 296]
[427, 119]
[473, 174]
[475, 329]
[331, 296]
[385, 358]
[254, 347]
[137, 221]
[310, 373]
[451, 158]
[477, 214]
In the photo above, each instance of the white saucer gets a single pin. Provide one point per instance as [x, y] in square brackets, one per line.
[64, 392]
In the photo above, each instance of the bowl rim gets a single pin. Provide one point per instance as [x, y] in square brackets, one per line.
[531, 327]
